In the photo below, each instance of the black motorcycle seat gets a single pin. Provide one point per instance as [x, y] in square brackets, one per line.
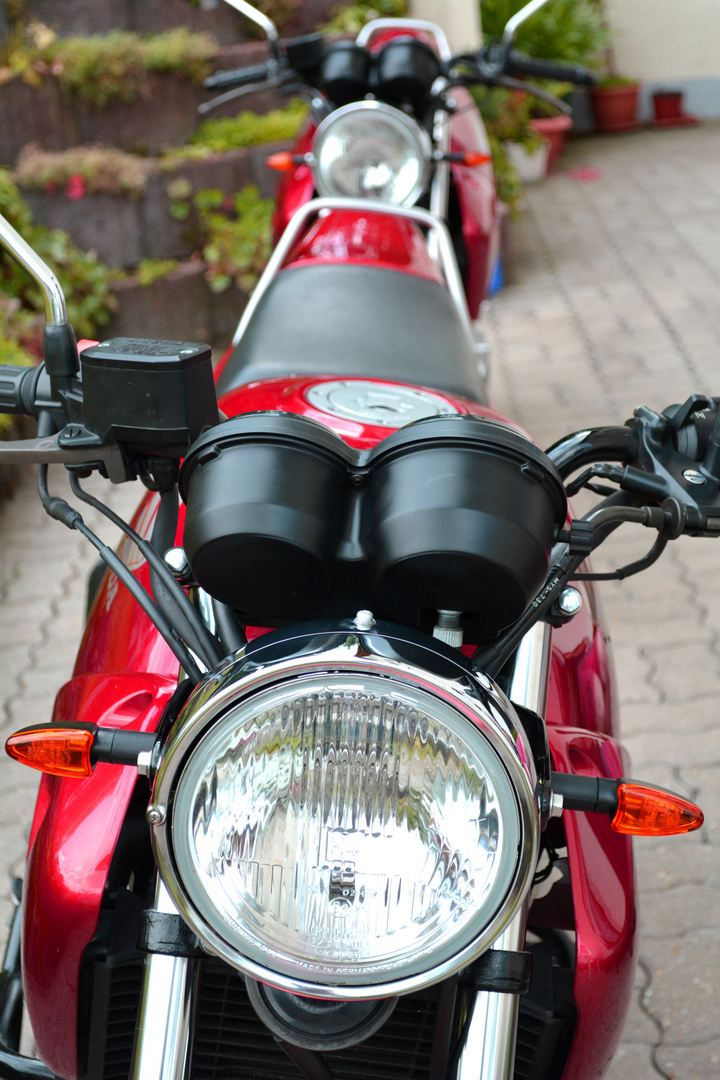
[363, 321]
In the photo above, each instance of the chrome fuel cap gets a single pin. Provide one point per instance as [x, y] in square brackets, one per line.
[374, 403]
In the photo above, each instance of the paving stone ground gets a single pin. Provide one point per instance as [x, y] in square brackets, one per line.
[613, 300]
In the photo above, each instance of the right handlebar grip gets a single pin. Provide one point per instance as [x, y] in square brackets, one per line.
[17, 389]
[228, 80]
[518, 63]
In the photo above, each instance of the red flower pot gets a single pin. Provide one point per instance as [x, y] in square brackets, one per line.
[616, 107]
[554, 129]
[668, 104]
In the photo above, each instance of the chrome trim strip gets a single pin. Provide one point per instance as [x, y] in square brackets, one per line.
[223, 689]
[427, 220]
[370, 29]
[163, 1032]
[39, 271]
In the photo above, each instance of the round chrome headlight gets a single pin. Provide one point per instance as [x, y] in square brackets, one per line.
[368, 150]
[346, 829]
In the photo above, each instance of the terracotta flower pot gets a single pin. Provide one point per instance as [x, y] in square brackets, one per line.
[554, 129]
[668, 104]
[616, 107]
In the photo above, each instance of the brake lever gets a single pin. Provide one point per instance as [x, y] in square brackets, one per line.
[237, 92]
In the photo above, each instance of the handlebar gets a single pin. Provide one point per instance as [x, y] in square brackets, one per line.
[518, 64]
[230, 80]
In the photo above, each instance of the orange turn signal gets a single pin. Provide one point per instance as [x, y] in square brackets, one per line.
[281, 162]
[472, 158]
[59, 751]
[651, 811]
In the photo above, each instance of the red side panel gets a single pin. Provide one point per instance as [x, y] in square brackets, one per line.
[603, 889]
[475, 189]
[295, 188]
[125, 675]
[74, 836]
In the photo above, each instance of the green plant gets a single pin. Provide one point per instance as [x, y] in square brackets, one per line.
[114, 67]
[507, 115]
[85, 281]
[238, 236]
[103, 169]
[248, 129]
[570, 30]
[350, 18]
[507, 181]
[151, 270]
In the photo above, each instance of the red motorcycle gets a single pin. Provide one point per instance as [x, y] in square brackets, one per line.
[336, 787]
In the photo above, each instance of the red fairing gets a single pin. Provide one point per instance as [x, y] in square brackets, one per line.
[603, 891]
[477, 200]
[295, 187]
[75, 831]
[125, 675]
[345, 236]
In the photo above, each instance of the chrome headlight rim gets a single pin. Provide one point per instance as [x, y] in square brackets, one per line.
[379, 110]
[215, 698]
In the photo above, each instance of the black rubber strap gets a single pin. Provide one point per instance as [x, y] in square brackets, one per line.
[501, 972]
[167, 934]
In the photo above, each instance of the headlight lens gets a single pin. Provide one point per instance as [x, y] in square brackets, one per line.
[346, 830]
[370, 151]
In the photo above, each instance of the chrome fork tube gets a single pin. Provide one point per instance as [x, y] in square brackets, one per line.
[489, 1051]
[164, 1027]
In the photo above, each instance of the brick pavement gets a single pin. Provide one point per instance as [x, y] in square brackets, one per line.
[613, 301]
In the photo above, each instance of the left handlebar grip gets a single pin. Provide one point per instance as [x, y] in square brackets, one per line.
[18, 387]
[229, 80]
[518, 63]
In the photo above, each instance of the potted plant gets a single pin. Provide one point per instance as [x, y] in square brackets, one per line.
[668, 109]
[615, 102]
[549, 124]
[573, 31]
[507, 116]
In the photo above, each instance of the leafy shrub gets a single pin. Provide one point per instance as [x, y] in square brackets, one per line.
[111, 67]
[249, 129]
[102, 169]
[85, 281]
[238, 236]
[350, 18]
[569, 30]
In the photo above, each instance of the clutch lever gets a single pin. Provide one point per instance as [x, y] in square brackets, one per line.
[532, 88]
[239, 91]
[49, 450]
